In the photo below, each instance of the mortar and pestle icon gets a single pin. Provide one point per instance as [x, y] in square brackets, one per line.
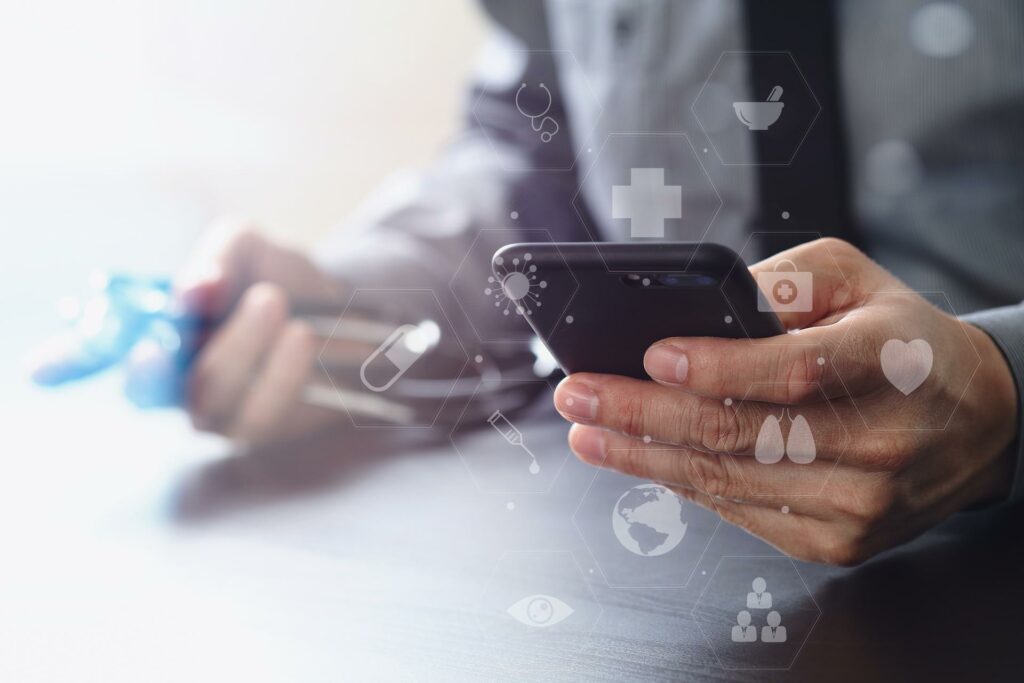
[760, 115]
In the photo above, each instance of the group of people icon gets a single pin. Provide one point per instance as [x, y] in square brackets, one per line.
[759, 599]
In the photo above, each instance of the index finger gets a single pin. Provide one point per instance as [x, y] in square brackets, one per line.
[643, 409]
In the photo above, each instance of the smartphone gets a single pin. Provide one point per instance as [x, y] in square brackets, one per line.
[598, 307]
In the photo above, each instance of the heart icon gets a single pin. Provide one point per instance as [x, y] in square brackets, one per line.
[906, 365]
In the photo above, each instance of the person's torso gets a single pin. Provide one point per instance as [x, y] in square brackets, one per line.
[934, 113]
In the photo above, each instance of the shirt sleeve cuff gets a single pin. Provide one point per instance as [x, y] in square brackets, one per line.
[1006, 328]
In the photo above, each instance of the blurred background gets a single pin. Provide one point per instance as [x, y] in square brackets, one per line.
[127, 126]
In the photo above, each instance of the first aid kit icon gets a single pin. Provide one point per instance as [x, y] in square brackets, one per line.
[784, 291]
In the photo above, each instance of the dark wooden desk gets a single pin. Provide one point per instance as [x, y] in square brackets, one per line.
[134, 551]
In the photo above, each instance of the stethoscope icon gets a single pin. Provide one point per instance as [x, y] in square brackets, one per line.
[545, 135]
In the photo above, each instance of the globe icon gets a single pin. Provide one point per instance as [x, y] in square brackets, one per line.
[648, 520]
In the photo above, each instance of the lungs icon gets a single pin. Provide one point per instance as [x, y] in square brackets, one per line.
[771, 446]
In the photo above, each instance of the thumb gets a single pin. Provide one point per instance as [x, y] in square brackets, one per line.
[812, 283]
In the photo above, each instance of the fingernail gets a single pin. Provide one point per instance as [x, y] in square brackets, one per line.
[576, 400]
[588, 444]
[666, 363]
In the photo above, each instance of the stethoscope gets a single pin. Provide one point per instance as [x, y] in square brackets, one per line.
[122, 310]
[545, 135]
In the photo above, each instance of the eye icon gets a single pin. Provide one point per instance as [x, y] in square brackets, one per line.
[539, 611]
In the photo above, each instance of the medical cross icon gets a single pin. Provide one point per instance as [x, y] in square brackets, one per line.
[647, 202]
[784, 291]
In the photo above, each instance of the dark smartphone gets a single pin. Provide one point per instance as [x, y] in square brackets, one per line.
[598, 307]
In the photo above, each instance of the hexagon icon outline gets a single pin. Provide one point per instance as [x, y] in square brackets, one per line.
[803, 584]
[967, 383]
[582, 642]
[563, 130]
[640, 482]
[442, 401]
[742, 260]
[579, 196]
[466, 459]
[466, 310]
[789, 409]
[710, 138]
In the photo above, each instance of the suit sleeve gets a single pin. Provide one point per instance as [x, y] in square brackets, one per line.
[1006, 328]
[417, 229]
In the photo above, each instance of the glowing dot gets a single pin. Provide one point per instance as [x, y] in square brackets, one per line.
[893, 168]
[570, 402]
[785, 509]
[514, 215]
[821, 360]
[589, 149]
[728, 320]
[647, 438]
[705, 150]
[497, 260]
[703, 572]
[591, 570]
[510, 506]
[646, 281]
[479, 358]
[941, 29]
[785, 215]
[569, 319]
[728, 401]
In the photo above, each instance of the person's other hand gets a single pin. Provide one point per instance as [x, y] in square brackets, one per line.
[884, 466]
[247, 379]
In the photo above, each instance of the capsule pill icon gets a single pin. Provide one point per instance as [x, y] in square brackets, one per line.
[394, 357]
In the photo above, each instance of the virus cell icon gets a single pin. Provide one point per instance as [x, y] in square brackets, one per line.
[515, 285]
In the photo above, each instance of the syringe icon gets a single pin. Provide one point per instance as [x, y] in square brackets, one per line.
[513, 436]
